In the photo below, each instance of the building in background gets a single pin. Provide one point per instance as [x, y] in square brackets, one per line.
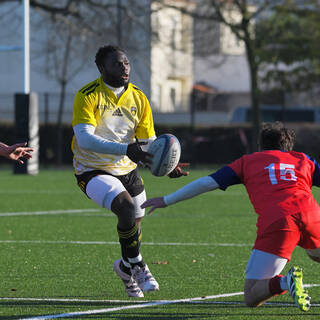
[158, 42]
[220, 64]
[171, 57]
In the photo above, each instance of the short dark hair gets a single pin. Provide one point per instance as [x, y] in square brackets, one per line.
[275, 136]
[104, 51]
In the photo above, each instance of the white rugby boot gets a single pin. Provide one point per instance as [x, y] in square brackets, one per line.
[144, 278]
[131, 286]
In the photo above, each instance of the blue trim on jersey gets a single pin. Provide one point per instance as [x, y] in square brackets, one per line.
[316, 173]
[225, 177]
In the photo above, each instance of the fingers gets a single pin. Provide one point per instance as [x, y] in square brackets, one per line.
[178, 172]
[183, 164]
[146, 204]
[27, 155]
[21, 147]
[136, 154]
[151, 210]
[18, 145]
[154, 203]
[184, 173]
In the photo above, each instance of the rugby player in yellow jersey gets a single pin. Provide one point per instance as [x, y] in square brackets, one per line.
[113, 126]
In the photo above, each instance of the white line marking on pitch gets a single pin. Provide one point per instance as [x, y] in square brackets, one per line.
[136, 306]
[306, 285]
[31, 213]
[73, 300]
[117, 243]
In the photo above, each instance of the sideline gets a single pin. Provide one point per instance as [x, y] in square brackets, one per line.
[306, 285]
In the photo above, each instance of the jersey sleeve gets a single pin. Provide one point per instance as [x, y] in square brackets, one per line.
[316, 173]
[83, 109]
[226, 177]
[145, 128]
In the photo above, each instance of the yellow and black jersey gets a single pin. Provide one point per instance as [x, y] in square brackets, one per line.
[116, 120]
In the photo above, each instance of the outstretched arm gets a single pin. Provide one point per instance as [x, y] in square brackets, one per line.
[190, 190]
[16, 152]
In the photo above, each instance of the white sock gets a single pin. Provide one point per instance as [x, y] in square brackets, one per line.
[136, 259]
[126, 264]
[283, 283]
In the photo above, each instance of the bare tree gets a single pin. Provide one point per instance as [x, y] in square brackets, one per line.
[214, 13]
[63, 64]
[74, 29]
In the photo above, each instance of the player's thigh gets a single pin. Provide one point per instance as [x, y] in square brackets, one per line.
[138, 200]
[263, 265]
[103, 189]
[280, 238]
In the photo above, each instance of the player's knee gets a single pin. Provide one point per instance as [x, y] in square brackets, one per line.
[314, 254]
[250, 300]
[252, 292]
[248, 296]
[126, 216]
[124, 208]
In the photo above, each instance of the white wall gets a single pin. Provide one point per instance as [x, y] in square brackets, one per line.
[226, 73]
[171, 60]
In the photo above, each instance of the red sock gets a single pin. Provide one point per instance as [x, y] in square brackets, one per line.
[274, 285]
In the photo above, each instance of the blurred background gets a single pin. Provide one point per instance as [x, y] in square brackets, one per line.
[213, 70]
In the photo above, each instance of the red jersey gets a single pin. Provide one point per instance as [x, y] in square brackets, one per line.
[278, 183]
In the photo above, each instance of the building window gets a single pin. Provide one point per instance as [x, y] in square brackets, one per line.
[173, 98]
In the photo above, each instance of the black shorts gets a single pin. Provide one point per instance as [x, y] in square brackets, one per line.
[131, 181]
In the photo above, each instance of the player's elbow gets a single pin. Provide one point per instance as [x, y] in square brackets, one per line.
[207, 184]
[83, 144]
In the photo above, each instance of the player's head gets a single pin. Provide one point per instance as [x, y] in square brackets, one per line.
[274, 136]
[113, 65]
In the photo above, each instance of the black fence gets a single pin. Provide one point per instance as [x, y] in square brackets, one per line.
[210, 145]
[48, 108]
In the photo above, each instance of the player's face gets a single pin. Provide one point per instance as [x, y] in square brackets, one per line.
[116, 69]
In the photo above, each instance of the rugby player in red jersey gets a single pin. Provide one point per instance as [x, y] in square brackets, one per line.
[278, 181]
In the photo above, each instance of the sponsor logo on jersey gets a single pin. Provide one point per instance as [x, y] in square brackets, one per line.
[133, 111]
[117, 113]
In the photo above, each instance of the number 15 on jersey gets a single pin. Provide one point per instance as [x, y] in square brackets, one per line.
[287, 172]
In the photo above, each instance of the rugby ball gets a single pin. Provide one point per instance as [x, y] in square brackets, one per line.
[166, 151]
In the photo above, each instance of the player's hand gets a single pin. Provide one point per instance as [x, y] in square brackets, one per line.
[136, 154]
[154, 203]
[178, 171]
[19, 152]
